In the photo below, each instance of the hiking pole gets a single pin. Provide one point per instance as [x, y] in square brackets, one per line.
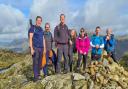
[30, 22]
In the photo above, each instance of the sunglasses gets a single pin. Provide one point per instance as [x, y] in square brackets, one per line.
[81, 31]
[47, 27]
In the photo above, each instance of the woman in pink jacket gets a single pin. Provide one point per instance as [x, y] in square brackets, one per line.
[82, 45]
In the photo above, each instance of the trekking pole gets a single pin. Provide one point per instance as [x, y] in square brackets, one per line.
[30, 22]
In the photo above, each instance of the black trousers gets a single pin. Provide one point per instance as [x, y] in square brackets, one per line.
[79, 60]
[96, 57]
[113, 56]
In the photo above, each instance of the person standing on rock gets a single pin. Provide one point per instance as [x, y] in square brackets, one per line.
[82, 45]
[97, 45]
[72, 47]
[61, 37]
[37, 46]
[50, 54]
[109, 42]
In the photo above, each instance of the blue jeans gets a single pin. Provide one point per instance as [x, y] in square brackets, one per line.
[62, 49]
[37, 60]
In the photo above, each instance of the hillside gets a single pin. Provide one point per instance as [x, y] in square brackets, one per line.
[121, 47]
[16, 73]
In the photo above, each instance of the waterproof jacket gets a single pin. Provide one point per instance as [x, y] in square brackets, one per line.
[83, 44]
[109, 45]
[97, 40]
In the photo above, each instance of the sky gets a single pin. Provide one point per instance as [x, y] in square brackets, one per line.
[15, 15]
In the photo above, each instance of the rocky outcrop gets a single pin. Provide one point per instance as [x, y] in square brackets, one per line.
[106, 76]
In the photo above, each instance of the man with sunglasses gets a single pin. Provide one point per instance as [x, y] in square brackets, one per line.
[82, 45]
[61, 36]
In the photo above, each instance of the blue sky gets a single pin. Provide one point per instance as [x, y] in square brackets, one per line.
[23, 5]
[79, 13]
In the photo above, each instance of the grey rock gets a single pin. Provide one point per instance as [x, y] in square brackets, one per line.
[77, 76]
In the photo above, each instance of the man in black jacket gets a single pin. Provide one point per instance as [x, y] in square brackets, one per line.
[61, 36]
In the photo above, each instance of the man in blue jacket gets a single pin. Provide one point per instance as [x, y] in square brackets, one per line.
[109, 42]
[97, 45]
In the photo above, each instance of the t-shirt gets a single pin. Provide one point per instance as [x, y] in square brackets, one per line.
[37, 36]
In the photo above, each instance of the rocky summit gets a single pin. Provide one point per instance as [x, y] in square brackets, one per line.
[17, 74]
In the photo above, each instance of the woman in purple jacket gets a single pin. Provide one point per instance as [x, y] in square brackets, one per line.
[82, 45]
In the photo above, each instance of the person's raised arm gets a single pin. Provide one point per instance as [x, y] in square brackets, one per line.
[112, 41]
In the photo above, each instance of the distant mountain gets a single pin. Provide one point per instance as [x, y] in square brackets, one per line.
[121, 47]
[17, 45]
[4, 44]
[21, 45]
[123, 37]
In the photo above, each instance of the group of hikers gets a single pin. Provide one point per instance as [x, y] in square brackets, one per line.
[67, 42]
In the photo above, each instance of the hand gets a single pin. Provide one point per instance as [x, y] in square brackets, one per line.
[84, 53]
[32, 51]
[97, 46]
[70, 42]
[81, 52]
[55, 44]
[44, 51]
[107, 38]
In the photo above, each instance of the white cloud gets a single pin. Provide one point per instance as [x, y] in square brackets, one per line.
[12, 23]
[50, 11]
[106, 13]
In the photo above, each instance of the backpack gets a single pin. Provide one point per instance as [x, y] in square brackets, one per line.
[33, 32]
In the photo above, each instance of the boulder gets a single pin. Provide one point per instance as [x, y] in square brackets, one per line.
[77, 76]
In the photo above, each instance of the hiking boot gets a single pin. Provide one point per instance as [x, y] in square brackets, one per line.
[66, 71]
[100, 63]
[84, 67]
[110, 62]
[58, 71]
[45, 76]
[78, 70]
[117, 62]
[71, 69]
[36, 79]
[93, 77]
